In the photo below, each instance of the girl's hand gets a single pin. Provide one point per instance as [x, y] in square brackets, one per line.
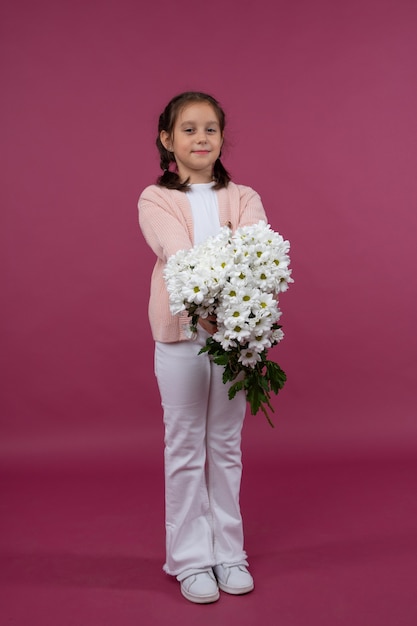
[209, 324]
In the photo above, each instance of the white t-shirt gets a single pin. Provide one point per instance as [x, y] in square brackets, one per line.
[205, 210]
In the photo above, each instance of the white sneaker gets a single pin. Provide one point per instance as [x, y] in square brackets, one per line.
[200, 587]
[233, 579]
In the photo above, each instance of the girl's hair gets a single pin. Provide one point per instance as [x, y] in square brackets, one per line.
[167, 119]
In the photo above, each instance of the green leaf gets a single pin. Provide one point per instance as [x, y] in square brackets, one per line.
[221, 359]
[235, 388]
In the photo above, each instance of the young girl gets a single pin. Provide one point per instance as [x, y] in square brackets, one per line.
[192, 200]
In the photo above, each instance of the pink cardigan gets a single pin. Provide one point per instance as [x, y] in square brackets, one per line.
[166, 222]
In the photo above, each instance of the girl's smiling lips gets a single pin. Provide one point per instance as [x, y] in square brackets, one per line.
[201, 151]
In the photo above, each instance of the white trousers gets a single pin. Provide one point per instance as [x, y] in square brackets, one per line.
[203, 464]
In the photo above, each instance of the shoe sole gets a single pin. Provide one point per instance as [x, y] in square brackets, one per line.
[200, 599]
[235, 591]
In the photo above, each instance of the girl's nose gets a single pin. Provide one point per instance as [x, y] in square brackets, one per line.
[201, 137]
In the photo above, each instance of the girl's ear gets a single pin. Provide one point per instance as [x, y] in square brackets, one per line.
[165, 140]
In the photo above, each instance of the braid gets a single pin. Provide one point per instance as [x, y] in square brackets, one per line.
[220, 175]
[168, 178]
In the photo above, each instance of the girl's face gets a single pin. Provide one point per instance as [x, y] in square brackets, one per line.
[196, 142]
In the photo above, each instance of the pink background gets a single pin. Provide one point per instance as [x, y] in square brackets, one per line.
[321, 98]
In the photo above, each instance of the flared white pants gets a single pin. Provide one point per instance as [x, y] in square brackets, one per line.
[203, 464]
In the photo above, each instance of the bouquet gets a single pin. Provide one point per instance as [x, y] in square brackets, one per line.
[237, 277]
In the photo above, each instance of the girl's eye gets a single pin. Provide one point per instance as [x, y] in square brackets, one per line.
[211, 130]
[188, 130]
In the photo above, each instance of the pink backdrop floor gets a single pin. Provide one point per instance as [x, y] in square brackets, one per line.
[331, 541]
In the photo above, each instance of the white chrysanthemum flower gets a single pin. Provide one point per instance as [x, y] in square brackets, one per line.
[194, 291]
[277, 335]
[222, 336]
[284, 282]
[264, 278]
[248, 357]
[261, 325]
[248, 294]
[261, 255]
[240, 333]
[235, 316]
[239, 275]
[265, 302]
[260, 342]
[176, 304]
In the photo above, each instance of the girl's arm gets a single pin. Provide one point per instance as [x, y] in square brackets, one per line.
[251, 208]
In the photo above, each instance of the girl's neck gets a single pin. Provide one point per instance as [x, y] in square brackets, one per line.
[197, 177]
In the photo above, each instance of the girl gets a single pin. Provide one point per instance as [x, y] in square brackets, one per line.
[192, 200]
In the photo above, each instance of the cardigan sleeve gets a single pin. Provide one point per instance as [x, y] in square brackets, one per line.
[251, 208]
[163, 225]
